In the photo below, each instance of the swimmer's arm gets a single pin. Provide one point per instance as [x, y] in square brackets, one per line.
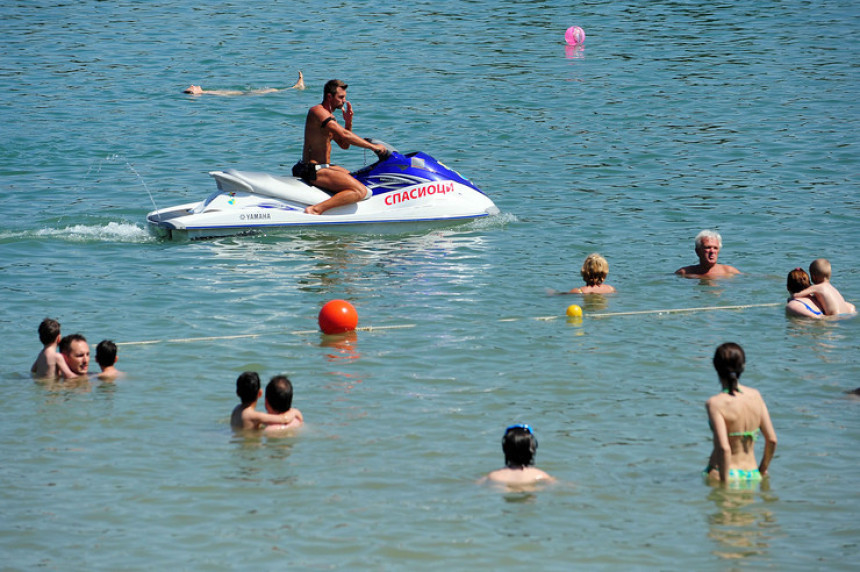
[721, 434]
[814, 289]
[769, 434]
[59, 362]
[271, 419]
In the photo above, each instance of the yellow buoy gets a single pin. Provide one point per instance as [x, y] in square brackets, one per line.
[574, 311]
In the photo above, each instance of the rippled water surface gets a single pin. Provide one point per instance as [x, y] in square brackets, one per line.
[673, 117]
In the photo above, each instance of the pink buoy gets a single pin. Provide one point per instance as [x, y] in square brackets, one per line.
[574, 35]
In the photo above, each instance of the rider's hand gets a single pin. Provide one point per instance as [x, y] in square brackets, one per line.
[382, 152]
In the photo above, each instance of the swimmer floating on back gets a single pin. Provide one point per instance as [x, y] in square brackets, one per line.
[197, 90]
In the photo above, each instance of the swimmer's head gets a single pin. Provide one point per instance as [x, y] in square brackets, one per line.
[729, 360]
[248, 386]
[819, 270]
[519, 445]
[193, 90]
[48, 331]
[700, 238]
[279, 393]
[595, 269]
[106, 353]
[797, 280]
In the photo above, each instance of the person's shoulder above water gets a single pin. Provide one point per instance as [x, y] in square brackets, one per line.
[594, 271]
[524, 476]
[519, 445]
[707, 246]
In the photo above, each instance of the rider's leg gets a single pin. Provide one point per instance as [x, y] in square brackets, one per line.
[346, 188]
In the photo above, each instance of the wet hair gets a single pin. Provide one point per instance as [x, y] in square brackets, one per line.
[820, 268]
[700, 238]
[729, 360]
[106, 353]
[66, 342]
[279, 393]
[48, 331]
[331, 86]
[797, 280]
[519, 445]
[595, 269]
[248, 386]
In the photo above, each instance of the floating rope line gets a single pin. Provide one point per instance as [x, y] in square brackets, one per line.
[245, 336]
[403, 326]
[665, 311]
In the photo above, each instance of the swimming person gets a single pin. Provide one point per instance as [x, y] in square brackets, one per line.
[315, 166]
[825, 293]
[736, 415]
[76, 351]
[106, 358]
[245, 415]
[708, 245]
[805, 306]
[594, 271]
[279, 401]
[49, 363]
[519, 445]
[197, 90]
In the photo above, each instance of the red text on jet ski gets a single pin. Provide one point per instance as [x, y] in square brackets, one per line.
[418, 192]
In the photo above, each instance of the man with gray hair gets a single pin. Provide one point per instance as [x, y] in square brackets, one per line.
[708, 244]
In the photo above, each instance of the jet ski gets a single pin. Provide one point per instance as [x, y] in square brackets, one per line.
[411, 189]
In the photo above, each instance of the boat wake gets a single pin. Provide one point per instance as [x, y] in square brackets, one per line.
[110, 232]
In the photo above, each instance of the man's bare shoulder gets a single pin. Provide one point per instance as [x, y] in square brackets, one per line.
[319, 112]
[717, 271]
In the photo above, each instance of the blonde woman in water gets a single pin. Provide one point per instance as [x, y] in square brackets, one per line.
[594, 271]
[736, 415]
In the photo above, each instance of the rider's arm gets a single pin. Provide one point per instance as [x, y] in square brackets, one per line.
[344, 138]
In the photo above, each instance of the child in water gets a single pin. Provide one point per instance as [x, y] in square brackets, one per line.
[49, 363]
[246, 416]
[106, 358]
[519, 446]
[827, 296]
[594, 271]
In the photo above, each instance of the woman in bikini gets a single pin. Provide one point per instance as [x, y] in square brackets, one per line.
[737, 414]
[797, 281]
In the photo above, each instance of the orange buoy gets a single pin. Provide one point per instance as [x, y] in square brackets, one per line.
[337, 317]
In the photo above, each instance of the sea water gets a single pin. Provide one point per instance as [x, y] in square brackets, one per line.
[671, 118]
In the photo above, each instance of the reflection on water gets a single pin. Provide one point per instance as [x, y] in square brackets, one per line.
[345, 346]
[742, 526]
[593, 303]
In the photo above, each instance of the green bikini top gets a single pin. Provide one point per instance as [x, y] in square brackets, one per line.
[746, 434]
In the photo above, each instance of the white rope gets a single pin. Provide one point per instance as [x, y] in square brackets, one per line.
[665, 311]
[242, 336]
[402, 326]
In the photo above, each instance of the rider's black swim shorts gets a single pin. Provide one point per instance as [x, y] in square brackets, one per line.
[306, 171]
